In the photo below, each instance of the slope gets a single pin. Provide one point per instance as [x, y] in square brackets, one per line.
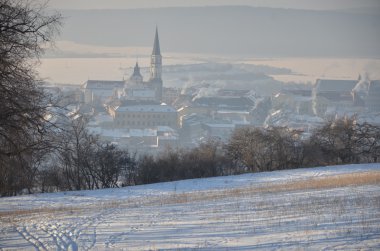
[326, 207]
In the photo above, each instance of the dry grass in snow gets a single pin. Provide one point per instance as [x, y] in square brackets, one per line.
[330, 212]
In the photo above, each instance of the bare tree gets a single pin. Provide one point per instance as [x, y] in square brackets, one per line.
[241, 148]
[147, 170]
[76, 152]
[25, 28]
[85, 162]
[112, 165]
[268, 149]
[206, 160]
[346, 140]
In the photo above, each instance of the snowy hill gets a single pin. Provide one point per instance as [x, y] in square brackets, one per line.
[327, 207]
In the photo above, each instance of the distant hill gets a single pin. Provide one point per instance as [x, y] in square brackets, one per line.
[231, 30]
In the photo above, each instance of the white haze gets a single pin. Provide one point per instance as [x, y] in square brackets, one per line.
[291, 4]
[78, 70]
[105, 44]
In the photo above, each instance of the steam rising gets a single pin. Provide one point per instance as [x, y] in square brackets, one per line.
[362, 86]
[206, 92]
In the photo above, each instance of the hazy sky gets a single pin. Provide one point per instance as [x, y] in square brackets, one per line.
[131, 4]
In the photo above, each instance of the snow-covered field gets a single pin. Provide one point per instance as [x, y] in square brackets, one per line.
[308, 209]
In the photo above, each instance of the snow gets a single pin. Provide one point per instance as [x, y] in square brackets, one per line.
[113, 133]
[225, 125]
[200, 214]
[232, 112]
[165, 129]
[146, 108]
[123, 133]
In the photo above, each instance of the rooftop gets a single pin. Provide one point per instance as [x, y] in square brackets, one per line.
[145, 107]
[231, 102]
[329, 85]
[103, 84]
[374, 87]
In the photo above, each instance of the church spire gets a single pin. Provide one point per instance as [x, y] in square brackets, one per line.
[156, 59]
[156, 45]
[156, 67]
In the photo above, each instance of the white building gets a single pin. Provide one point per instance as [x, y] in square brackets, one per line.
[101, 91]
[143, 114]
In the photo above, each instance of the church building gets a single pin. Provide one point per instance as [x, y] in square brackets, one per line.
[134, 88]
[140, 103]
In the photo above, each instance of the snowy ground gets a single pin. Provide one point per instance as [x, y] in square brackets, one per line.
[319, 208]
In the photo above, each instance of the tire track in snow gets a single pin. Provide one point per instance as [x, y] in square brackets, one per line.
[34, 240]
[73, 235]
[61, 238]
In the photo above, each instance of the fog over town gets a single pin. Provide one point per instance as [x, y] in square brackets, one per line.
[219, 66]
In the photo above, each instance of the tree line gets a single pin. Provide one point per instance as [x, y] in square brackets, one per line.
[79, 160]
[253, 149]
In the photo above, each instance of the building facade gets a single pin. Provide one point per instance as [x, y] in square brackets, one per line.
[330, 96]
[373, 99]
[101, 91]
[144, 114]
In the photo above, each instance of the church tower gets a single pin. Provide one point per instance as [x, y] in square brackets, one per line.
[156, 59]
[136, 77]
[156, 68]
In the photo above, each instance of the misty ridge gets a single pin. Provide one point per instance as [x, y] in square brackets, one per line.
[231, 30]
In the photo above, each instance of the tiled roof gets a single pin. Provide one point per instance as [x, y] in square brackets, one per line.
[329, 85]
[232, 102]
[374, 87]
[103, 84]
[146, 108]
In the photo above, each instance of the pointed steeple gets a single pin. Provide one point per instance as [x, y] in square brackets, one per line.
[136, 70]
[156, 68]
[156, 46]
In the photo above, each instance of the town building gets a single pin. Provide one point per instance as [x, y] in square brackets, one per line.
[101, 91]
[331, 96]
[346, 97]
[143, 114]
[372, 101]
[215, 116]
